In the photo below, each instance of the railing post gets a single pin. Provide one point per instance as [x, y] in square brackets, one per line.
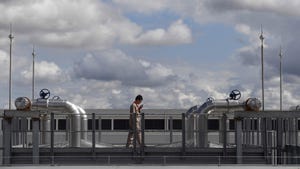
[35, 140]
[143, 134]
[7, 140]
[15, 131]
[279, 140]
[224, 120]
[171, 129]
[52, 138]
[24, 126]
[108, 160]
[67, 128]
[183, 133]
[264, 137]
[238, 141]
[99, 128]
[93, 133]
[247, 128]
[202, 131]
[297, 145]
[269, 140]
[134, 132]
[294, 139]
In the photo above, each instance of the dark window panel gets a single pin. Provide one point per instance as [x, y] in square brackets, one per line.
[121, 124]
[106, 124]
[90, 127]
[20, 125]
[177, 124]
[274, 125]
[62, 124]
[231, 124]
[155, 124]
[255, 124]
[213, 124]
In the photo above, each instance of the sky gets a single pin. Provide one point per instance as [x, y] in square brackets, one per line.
[176, 53]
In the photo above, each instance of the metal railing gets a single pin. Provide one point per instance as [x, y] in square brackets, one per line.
[271, 144]
[150, 160]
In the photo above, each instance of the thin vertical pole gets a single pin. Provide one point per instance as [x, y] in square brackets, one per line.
[261, 37]
[52, 137]
[99, 128]
[171, 129]
[238, 141]
[93, 135]
[134, 131]
[279, 140]
[35, 140]
[7, 129]
[224, 120]
[280, 57]
[33, 60]
[143, 134]
[183, 133]
[10, 36]
[93, 132]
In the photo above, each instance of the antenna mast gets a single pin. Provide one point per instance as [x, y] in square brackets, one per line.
[33, 60]
[261, 37]
[10, 36]
[280, 67]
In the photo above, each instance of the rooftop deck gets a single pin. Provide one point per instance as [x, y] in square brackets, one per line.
[269, 137]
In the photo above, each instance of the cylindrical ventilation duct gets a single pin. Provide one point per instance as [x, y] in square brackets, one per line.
[45, 128]
[199, 114]
[51, 105]
[84, 121]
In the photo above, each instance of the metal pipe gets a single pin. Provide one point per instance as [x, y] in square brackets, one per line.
[84, 121]
[225, 105]
[45, 127]
[214, 106]
[75, 136]
[62, 105]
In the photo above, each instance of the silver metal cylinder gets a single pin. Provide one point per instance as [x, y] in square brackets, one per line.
[190, 131]
[63, 106]
[213, 107]
[75, 128]
[45, 128]
[84, 121]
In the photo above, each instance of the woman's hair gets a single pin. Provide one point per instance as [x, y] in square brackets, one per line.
[139, 97]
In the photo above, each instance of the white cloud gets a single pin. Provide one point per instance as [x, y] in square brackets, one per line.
[289, 7]
[4, 64]
[143, 6]
[177, 33]
[116, 66]
[84, 24]
[45, 72]
[111, 79]
[183, 8]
